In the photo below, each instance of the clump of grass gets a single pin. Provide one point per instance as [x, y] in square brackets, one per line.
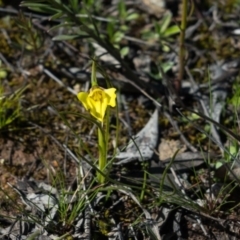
[10, 107]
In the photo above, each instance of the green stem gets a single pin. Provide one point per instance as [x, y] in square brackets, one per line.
[182, 39]
[117, 126]
[102, 155]
[144, 181]
[107, 126]
[93, 75]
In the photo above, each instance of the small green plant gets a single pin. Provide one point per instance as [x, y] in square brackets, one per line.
[162, 32]
[10, 108]
[165, 67]
[31, 39]
[117, 29]
[235, 100]
[232, 148]
[71, 203]
[97, 102]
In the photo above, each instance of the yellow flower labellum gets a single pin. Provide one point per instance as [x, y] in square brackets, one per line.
[97, 100]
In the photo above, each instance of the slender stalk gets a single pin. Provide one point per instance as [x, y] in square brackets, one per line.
[182, 40]
[117, 128]
[93, 75]
[107, 126]
[102, 155]
[143, 190]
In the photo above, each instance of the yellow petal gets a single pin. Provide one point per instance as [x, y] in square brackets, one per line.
[82, 97]
[97, 110]
[110, 92]
[95, 93]
[104, 105]
[97, 100]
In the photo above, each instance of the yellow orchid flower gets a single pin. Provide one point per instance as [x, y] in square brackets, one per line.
[97, 100]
